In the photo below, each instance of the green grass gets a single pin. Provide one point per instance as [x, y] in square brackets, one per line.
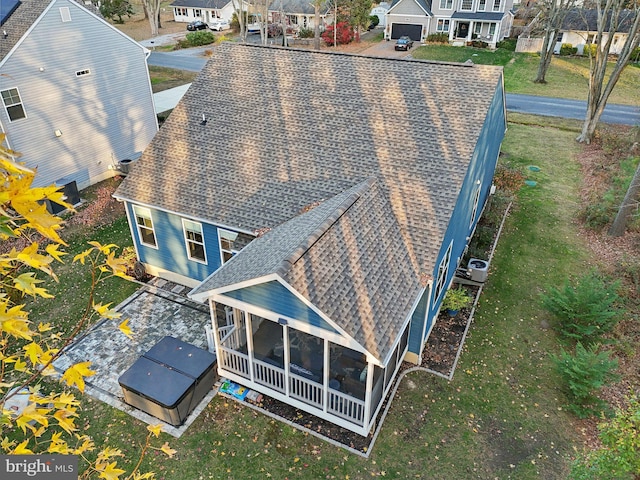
[500, 417]
[566, 78]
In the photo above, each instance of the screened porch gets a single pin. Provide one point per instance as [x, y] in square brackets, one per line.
[321, 376]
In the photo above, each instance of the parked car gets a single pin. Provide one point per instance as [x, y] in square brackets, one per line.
[220, 25]
[197, 25]
[404, 43]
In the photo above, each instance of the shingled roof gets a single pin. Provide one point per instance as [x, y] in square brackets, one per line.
[23, 17]
[289, 128]
[587, 20]
[346, 256]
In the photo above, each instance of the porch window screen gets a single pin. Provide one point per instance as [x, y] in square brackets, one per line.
[195, 241]
[306, 355]
[144, 223]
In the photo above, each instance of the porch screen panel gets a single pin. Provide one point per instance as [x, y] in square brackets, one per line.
[306, 355]
[348, 371]
[231, 328]
[268, 344]
[378, 388]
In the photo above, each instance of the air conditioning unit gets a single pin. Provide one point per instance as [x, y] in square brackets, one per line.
[478, 270]
[70, 190]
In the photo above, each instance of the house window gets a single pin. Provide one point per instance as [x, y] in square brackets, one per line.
[144, 223]
[466, 5]
[496, 5]
[476, 201]
[197, 12]
[194, 240]
[477, 28]
[492, 29]
[82, 73]
[482, 5]
[65, 14]
[180, 11]
[443, 269]
[559, 37]
[13, 104]
[231, 243]
[443, 25]
[446, 4]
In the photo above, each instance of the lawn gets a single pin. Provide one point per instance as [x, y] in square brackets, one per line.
[567, 77]
[501, 416]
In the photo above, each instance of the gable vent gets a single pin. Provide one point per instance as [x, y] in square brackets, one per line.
[65, 14]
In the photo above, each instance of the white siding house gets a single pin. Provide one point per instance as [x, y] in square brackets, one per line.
[76, 94]
[206, 10]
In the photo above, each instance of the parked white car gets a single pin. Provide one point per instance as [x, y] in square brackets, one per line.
[220, 25]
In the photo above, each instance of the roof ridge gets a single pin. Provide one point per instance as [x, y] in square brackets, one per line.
[332, 217]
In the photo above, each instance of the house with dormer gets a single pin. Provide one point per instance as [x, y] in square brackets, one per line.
[76, 94]
[462, 21]
[320, 217]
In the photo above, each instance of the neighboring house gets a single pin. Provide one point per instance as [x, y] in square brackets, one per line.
[76, 94]
[321, 216]
[462, 20]
[580, 28]
[380, 11]
[297, 14]
[206, 10]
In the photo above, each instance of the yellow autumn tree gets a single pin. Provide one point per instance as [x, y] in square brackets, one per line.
[32, 246]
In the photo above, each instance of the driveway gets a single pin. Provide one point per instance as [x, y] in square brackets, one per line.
[154, 312]
[386, 49]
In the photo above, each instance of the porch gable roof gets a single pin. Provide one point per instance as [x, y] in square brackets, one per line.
[483, 16]
[425, 5]
[346, 257]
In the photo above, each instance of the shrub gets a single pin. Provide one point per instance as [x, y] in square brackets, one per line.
[508, 44]
[635, 55]
[201, 37]
[373, 21]
[306, 33]
[568, 49]
[508, 178]
[456, 298]
[344, 34]
[479, 44]
[585, 373]
[619, 455]
[590, 49]
[438, 38]
[585, 310]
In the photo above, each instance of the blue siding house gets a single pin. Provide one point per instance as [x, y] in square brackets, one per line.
[321, 215]
[75, 92]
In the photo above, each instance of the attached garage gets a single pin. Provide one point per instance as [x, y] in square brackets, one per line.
[413, 31]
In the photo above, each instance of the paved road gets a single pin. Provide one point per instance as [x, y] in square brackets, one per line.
[560, 107]
[193, 60]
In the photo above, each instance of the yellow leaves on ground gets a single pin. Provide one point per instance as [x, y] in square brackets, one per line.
[170, 452]
[124, 328]
[75, 374]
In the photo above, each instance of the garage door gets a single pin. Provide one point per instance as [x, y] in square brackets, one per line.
[411, 30]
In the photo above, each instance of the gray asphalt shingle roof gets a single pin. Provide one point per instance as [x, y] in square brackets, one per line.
[287, 128]
[352, 244]
[587, 20]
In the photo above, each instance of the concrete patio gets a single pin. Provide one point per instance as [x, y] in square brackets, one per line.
[154, 311]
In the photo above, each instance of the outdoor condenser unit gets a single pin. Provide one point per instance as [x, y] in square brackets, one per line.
[478, 270]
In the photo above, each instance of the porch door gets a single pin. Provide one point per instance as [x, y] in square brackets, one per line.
[463, 30]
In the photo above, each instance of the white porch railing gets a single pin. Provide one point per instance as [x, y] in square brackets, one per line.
[269, 375]
[233, 361]
[305, 390]
[346, 406]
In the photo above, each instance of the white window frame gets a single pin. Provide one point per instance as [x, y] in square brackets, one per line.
[443, 269]
[144, 213]
[65, 14]
[492, 29]
[482, 5]
[197, 12]
[186, 228]
[446, 4]
[18, 103]
[477, 28]
[446, 24]
[476, 202]
[231, 251]
[497, 5]
[470, 5]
